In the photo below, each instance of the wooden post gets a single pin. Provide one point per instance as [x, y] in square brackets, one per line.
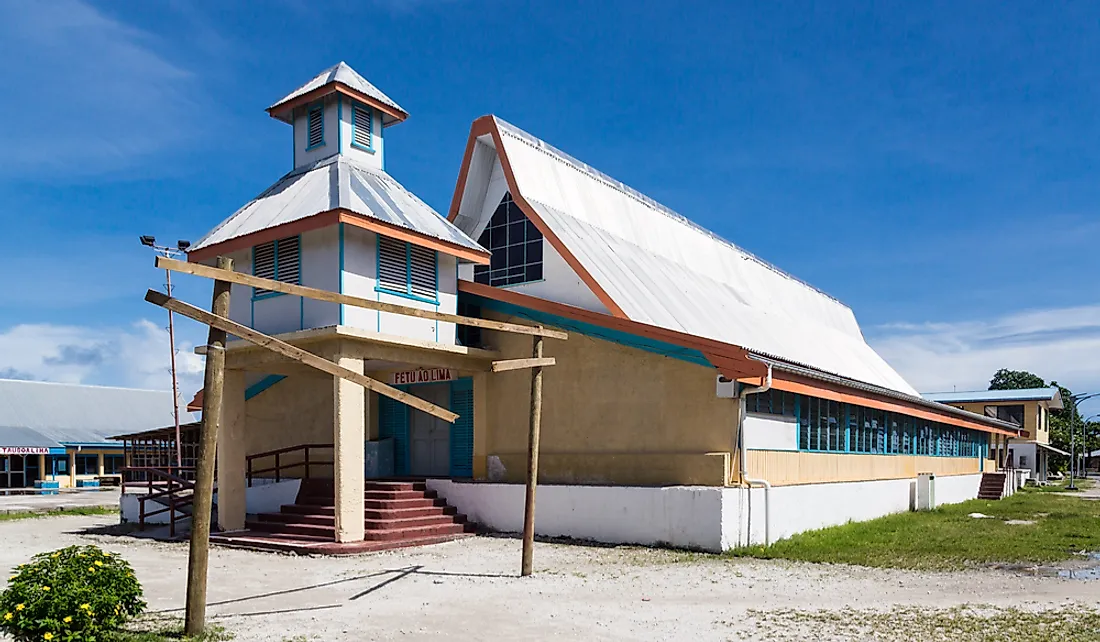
[201, 508]
[532, 461]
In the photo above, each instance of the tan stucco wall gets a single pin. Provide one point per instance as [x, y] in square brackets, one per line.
[783, 468]
[610, 414]
[1039, 430]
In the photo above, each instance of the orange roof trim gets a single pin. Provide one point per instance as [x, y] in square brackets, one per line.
[487, 125]
[332, 217]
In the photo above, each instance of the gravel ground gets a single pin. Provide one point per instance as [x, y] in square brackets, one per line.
[468, 589]
[64, 500]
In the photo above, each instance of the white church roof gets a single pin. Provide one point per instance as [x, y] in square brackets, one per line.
[345, 75]
[661, 269]
[336, 182]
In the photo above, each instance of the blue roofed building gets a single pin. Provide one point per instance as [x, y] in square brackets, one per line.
[59, 432]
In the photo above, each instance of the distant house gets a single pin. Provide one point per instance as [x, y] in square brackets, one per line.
[1028, 408]
[59, 431]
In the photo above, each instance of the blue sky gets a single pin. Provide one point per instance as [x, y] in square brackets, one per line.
[933, 166]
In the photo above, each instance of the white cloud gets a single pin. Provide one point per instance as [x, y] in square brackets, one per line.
[89, 93]
[135, 356]
[1061, 344]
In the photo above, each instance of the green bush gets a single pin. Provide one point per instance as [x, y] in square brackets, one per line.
[75, 594]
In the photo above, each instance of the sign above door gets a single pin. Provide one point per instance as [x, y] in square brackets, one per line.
[423, 375]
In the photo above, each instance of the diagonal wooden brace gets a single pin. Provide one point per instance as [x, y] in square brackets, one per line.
[295, 353]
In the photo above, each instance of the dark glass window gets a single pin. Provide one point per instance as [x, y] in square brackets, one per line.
[1013, 414]
[87, 465]
[113, 464]
[468, 336]
[516, 245]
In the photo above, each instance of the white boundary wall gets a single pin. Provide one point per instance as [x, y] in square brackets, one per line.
[695, 517]
[264, 497]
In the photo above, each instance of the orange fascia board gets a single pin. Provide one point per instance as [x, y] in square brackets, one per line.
[280, 111]
[728, 358]
[332, 217]
[834, 392]
[487, 125]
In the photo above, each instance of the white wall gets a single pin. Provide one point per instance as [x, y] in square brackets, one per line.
[262, 498]
[370, 159]
[320, 269]
[301, 134]
[697, 517]
[770, 432]
[680, 516]
[360, 279]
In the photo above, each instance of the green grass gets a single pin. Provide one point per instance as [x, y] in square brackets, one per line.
[159, 631]
[947, 539]
[76, 510]
[971, 623]
[1062, 486]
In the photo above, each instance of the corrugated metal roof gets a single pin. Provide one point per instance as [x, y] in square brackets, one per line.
[336, 182]
[58, 413]
[1025, 394]
[342, 73]
[664, 270]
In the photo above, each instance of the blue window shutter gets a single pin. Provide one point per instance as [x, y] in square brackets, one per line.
[462, 430]
[393, 423]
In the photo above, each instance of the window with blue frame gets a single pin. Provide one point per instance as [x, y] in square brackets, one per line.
[113, 464]
[516, 246]
[362, 127]
[407, 270]
[315, 126]
[279, 261]
[830, 426]
[771, 402]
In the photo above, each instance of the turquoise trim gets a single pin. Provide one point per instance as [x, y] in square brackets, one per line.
[340, 227]
[270, 295]
[113, 445]
[393, 423]
[317, 107]
[405, 295]
[462, 430]
[370, 132]
[580, 327]
[261, 385]
[437, 294]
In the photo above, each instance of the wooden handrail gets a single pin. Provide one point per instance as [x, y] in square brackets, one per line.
[279, 467]
[174, 483]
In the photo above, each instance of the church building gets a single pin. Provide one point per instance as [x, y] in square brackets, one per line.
[704, 398]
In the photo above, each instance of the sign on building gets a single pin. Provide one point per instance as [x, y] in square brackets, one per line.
[422, 375]
[23, 450]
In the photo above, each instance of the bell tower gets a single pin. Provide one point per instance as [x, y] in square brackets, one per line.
[338, 112]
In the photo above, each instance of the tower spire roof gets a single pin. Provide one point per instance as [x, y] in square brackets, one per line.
[339, 78]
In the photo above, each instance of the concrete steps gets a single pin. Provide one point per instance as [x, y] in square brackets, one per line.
[992, 486]
[396, 514]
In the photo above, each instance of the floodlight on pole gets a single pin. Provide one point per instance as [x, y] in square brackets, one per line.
[1076, 399]
[169, 252]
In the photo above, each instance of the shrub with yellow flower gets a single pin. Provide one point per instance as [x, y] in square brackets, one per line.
[54, 598]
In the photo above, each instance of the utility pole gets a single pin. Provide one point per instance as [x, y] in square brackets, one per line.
[168, 252]
[203, 503]
[1073, 415]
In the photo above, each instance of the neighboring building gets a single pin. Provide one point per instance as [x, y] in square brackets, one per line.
[644, 438]
[59, 432]
[1028, 408]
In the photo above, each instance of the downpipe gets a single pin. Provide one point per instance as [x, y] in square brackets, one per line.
[749, 482]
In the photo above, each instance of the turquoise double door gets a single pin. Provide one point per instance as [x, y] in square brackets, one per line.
[426, 446]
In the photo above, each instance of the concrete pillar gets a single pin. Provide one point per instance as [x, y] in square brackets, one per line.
[99, 464]
[72, 469]
[481, 425]
[41, 468]
[231, 453]
[349, 433]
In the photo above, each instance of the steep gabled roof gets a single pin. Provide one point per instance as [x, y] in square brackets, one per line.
[346, 76]
[339, 184]
[649, 264]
